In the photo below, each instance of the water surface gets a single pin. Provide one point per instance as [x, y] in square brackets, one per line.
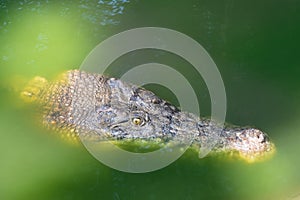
[254, 44]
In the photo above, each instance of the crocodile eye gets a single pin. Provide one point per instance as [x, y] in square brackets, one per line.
[138, 121]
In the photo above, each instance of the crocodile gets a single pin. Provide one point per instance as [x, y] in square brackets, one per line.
[81, 104]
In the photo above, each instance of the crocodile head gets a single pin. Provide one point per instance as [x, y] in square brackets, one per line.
[87, 104]
[135, 113]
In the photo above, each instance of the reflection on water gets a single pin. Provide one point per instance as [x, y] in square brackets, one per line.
[46, 37]
[256, 51]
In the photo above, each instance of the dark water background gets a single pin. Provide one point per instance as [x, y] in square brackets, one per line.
[255, 45]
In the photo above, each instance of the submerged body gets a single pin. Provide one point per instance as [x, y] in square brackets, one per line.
[84, 104]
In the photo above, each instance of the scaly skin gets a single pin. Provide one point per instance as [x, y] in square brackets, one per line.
[85, 104]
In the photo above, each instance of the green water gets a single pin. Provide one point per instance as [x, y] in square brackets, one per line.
[255, 45]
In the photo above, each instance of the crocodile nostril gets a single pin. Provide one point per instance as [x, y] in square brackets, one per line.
[266, 138]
